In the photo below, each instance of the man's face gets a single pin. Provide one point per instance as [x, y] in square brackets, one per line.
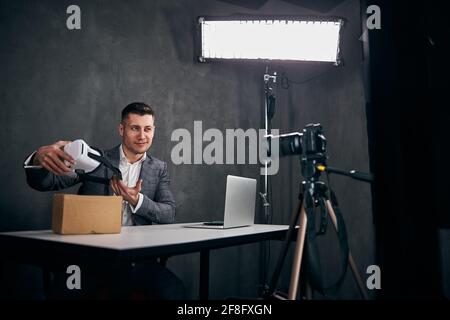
[137, 132]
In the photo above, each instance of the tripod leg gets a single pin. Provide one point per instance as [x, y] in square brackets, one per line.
[287, 241]
[299, 245]
[351, 262]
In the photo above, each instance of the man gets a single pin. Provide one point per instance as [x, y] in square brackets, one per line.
[145, 191]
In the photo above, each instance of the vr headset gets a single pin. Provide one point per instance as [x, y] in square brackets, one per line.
[87, 161]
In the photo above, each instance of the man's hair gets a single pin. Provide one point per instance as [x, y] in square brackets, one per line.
[139, 108]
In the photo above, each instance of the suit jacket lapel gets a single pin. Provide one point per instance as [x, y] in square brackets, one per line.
[146, 170]
[113, 155]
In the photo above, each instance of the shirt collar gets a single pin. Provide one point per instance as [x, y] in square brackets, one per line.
[123, 158]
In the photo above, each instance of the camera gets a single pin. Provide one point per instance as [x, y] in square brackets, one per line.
[314, 142]
[311, 141]
[310, 144]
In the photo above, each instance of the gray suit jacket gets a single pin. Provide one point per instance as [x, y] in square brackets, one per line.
[158, 205]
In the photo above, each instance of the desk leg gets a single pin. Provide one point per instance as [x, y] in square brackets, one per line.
[204, 274]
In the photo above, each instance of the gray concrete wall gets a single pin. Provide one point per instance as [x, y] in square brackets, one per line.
[61, 84]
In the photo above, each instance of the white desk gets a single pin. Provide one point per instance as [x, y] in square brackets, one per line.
[44, 248]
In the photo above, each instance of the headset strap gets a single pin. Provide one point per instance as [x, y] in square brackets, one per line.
[83, 176]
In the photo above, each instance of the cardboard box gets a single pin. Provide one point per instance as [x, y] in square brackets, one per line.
[74, 214]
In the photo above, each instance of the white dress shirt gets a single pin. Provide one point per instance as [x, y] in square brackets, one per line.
[130, 175]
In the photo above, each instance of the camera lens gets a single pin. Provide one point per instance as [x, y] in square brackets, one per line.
[290, 144]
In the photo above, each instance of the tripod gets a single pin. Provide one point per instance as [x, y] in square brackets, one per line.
[315, 194]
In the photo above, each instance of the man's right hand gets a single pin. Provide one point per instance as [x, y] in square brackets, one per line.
[52, 158]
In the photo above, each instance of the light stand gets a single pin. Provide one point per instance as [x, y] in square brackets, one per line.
[269, 111]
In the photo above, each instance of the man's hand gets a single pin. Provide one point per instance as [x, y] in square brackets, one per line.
[129, 194]
[52, 158]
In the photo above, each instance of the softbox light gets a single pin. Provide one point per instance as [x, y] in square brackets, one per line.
[270, 39]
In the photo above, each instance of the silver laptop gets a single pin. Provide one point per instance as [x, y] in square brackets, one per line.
[239, 210]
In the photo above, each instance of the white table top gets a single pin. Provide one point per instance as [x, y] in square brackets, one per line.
[137, 237]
